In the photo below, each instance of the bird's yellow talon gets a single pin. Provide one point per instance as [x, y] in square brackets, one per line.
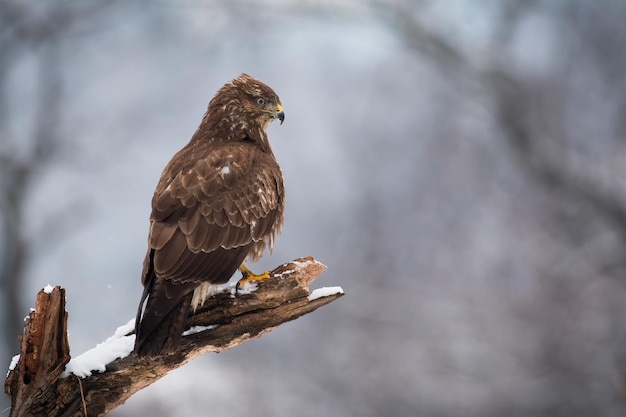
[248, 276]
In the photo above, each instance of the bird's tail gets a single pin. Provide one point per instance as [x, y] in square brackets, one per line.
[159, 326]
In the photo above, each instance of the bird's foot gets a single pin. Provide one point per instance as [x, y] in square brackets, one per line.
[248, 276]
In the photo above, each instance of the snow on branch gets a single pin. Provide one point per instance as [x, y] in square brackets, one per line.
[45, 380]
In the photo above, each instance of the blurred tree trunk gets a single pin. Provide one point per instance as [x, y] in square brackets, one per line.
[19, 171]
[574, 170]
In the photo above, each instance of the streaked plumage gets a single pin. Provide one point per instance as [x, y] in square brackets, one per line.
[219, 201]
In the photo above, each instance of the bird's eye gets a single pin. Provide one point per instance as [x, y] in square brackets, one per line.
[260, 101]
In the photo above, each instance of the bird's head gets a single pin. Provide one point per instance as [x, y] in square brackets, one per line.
[258, 101]
[242, 108]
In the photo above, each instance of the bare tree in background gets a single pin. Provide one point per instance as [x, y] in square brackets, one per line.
[21, 161]
[563, 124]
[31, 31]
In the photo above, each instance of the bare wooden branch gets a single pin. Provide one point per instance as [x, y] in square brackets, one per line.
[36, 386]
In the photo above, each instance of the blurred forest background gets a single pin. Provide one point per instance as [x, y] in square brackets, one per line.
[458, 165]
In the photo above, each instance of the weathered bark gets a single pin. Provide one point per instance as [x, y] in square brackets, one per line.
[36, 386]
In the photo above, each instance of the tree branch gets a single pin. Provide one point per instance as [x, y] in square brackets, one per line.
[37, 385]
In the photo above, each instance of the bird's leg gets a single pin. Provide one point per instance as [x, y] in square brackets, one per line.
[248, 276]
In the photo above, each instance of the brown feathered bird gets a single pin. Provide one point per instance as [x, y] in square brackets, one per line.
[219, 201]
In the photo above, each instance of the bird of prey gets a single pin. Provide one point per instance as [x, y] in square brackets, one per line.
[219, 202]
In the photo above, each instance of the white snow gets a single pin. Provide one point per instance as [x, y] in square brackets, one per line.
[14, 360]
[117, 346]
[301, 265]
[198, 329]
[48, 289]
[225, 170]
[324, 292]
[247, 288]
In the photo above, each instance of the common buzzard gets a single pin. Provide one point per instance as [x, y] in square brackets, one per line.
[219, 201]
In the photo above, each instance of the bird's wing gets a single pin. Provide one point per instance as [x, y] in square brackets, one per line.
[206, 215]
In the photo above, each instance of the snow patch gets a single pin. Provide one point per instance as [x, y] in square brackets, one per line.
[301, 265]
[198, 329]
[247, 288]
[324, 292]
[48, 289]
[14, 360]
[117, 346]
[124, 329]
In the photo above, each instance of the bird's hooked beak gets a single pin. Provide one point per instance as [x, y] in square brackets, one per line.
[279, 114]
